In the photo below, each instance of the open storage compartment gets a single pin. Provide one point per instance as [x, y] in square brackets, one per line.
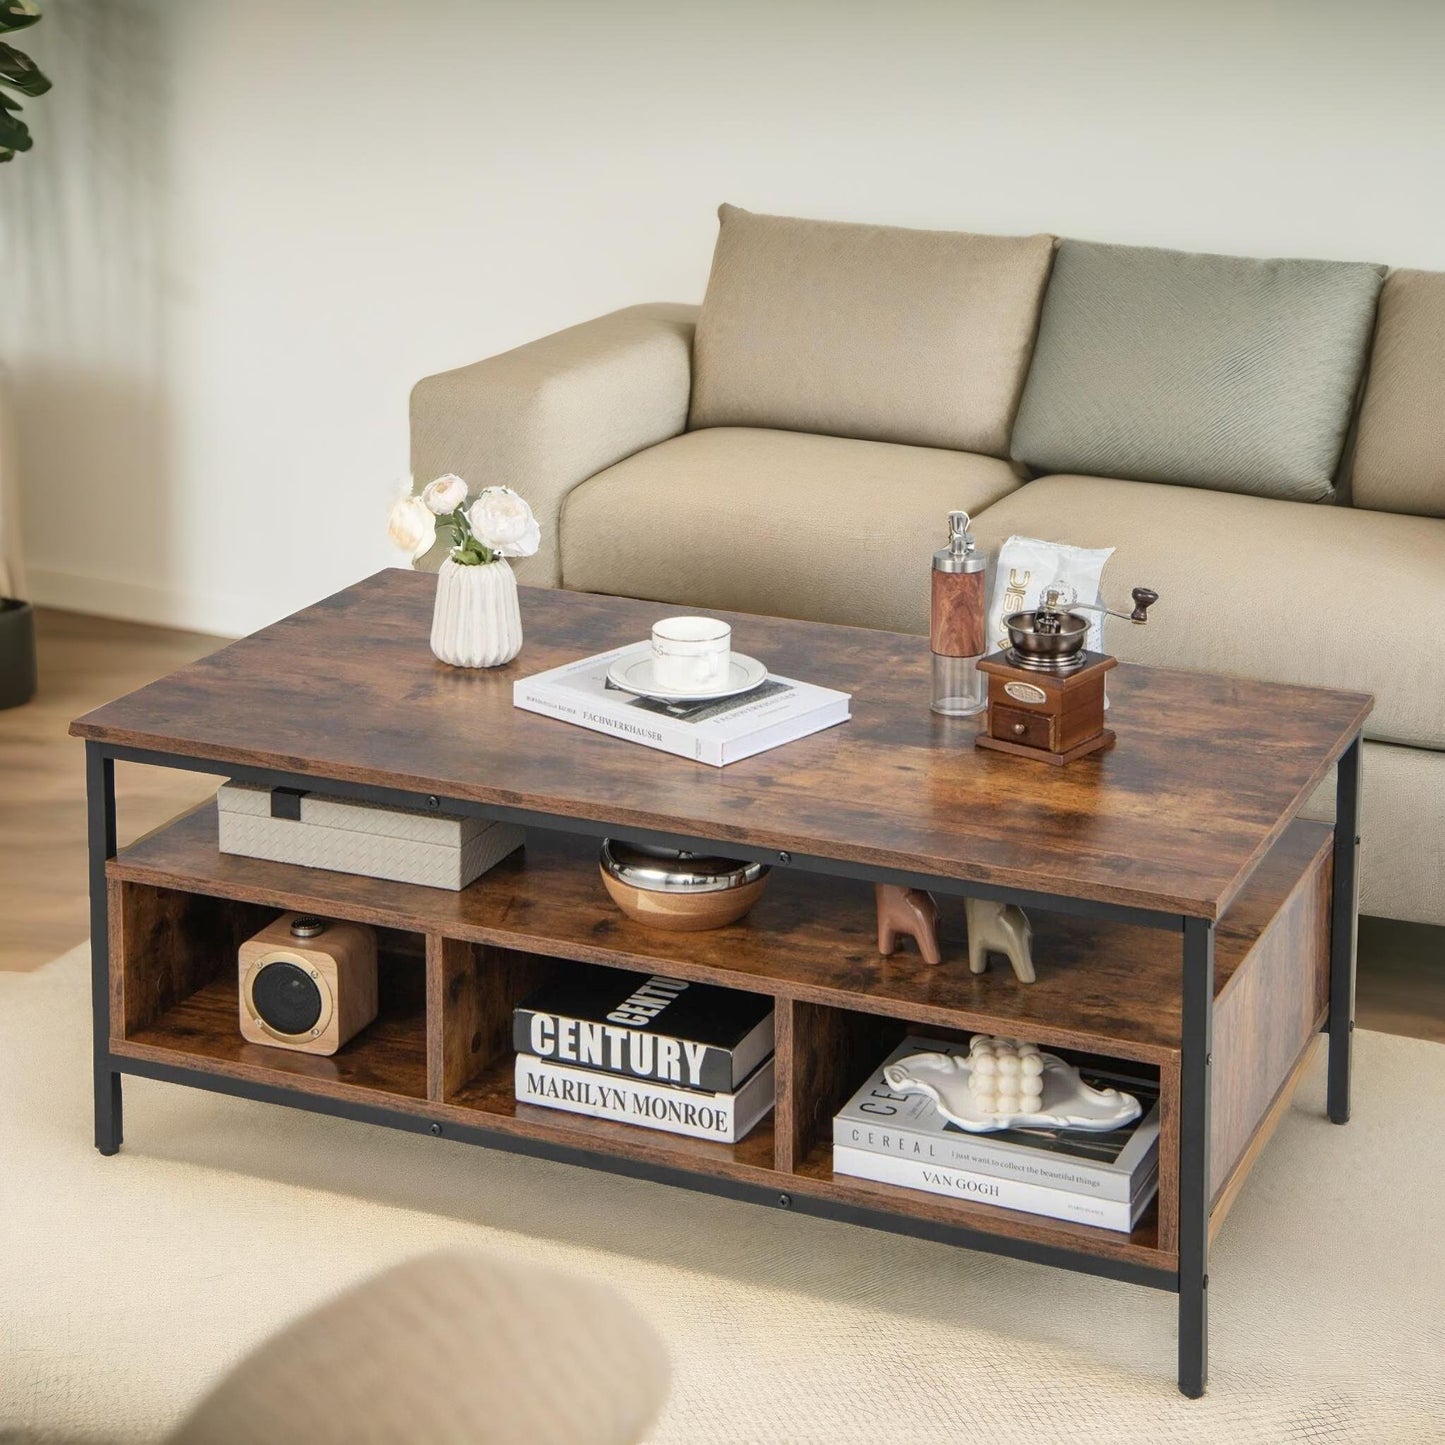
[176, 990]
[475, 989]
[832, 1052]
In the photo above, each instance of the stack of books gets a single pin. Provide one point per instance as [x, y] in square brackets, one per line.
[687, 1058]
[724, 730]
[1104, 1179]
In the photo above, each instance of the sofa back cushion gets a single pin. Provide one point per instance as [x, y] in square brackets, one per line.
[1207, 371]
[872, 332]
[1400, 450]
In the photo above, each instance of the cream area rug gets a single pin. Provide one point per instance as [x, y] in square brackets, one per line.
[127, 1284]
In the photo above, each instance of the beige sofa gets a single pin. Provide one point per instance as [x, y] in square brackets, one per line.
[1263, 442]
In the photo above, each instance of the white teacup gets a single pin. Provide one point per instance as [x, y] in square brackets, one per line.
[691, 652]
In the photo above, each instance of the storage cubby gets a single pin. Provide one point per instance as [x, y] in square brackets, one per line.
[175, 956]
[477, 987]
[473, 988]
[834, 1051]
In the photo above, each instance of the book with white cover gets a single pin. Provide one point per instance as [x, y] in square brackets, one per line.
[989, 1189]
[725, 730]
[909, 1126]
[724, 1117]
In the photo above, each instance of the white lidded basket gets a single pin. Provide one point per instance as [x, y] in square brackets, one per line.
[433, 849]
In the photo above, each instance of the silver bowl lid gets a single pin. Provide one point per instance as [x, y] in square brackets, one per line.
[1070, 636]
[1058, 652]
[670, 870]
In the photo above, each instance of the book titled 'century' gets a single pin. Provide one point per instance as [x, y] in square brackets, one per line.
[690, 1035]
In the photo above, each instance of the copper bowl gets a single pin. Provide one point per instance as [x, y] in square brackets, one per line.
[679, 891]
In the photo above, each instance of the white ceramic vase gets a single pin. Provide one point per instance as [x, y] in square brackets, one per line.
[477, 622]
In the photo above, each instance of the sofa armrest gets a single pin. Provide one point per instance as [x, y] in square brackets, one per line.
[545, 417]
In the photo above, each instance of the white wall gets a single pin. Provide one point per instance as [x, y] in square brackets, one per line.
[249, 227]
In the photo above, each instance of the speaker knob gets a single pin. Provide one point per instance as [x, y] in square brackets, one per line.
[307, 927]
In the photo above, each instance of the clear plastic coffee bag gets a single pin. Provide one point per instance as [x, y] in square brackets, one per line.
[1027, 565]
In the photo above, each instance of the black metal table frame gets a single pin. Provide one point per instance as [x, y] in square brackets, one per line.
[1190, 1282]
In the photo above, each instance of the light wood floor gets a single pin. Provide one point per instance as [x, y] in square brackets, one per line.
[85, 661]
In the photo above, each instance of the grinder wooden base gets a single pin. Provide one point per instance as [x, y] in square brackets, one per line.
[1100, 744]
[1051, 717]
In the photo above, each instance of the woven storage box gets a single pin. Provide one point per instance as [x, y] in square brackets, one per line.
[437, 850]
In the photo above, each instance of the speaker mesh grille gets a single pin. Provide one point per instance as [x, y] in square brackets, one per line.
[286, 998]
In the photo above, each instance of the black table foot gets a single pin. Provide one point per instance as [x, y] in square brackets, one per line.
[1344, 918]
[1194, 1338]
[108, 1130]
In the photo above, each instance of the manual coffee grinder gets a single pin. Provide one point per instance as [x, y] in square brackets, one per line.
[1045, 690]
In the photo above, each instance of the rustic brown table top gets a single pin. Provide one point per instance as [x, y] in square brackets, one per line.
[1206, 773]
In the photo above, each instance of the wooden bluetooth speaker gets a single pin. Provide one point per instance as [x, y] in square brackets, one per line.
[307, 984]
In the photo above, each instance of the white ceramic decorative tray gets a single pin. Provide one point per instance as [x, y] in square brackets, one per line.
[1068, 1102]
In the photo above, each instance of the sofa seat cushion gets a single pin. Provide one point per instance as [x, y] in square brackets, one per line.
[1208, 371]
[1280, 591]
[875, 332]
[775, 522]
[1399, 463]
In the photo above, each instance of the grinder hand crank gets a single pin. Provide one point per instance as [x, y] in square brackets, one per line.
[1057, 602]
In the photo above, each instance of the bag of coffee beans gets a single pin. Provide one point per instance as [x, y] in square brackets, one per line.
[1027, 565]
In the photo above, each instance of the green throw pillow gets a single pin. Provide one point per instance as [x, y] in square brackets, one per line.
[1208, 371]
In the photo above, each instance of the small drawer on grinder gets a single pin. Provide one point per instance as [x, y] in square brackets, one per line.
[1014, 725]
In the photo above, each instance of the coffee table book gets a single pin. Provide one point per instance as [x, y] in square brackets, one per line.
[694, 1035]
[896, 1170]
[722, 731]
[724, 1117]
[1106, 1166]
[1208, 942]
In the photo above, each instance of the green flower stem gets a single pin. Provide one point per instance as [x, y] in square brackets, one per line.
[466, 550]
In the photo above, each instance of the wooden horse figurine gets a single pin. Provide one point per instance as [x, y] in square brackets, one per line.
[999, 928]
[910, 911]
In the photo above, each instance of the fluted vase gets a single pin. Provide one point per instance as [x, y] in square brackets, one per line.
[477, 622]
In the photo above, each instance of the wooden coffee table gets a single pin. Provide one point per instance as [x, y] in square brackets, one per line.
[1185, 918]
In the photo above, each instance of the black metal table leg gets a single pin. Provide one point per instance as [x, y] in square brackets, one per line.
[1197, 1043]
[1344, 921]
[100, 827]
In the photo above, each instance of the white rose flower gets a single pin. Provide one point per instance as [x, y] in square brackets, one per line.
[501, 520]
[411, 526]
[446, 495]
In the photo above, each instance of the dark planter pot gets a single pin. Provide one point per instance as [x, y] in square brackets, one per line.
[17, 652]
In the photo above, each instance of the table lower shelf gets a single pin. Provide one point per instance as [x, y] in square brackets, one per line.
[386, 1061]
[385, 1068]
[452, 967]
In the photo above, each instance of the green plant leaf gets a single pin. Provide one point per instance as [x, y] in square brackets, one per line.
[14, 133]
[8, 102]
[17, 14]
[21, 73]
